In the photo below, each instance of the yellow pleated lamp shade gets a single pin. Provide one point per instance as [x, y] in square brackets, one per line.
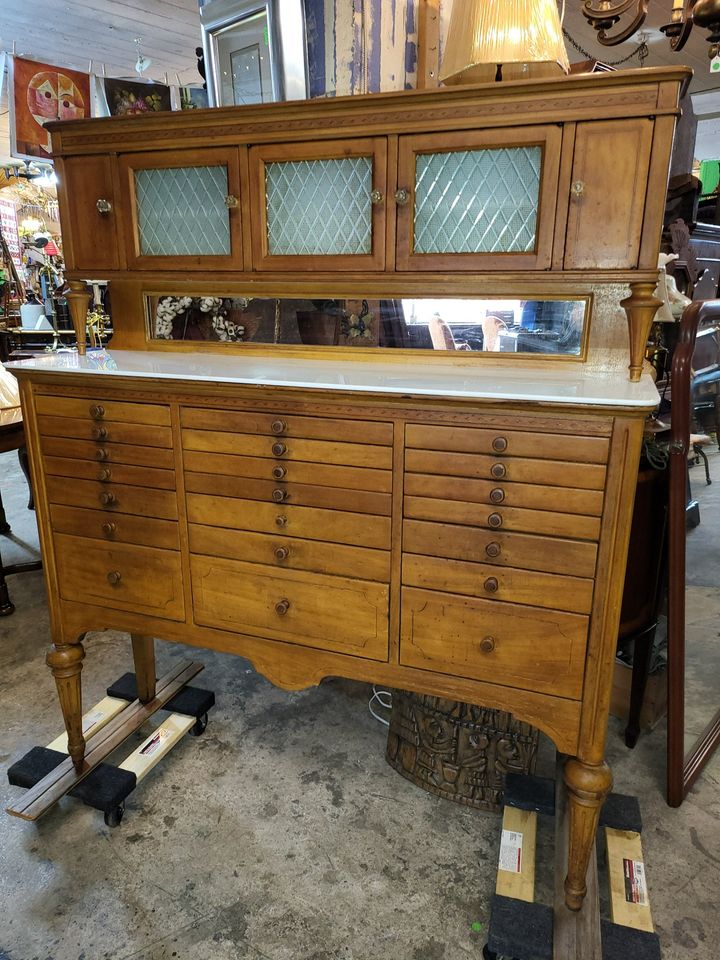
[522, 37]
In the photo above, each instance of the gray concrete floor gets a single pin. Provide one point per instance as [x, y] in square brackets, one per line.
[282, 834]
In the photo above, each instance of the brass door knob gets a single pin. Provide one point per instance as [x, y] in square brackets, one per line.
[97, 412]
[578, 188]
[493, 549]
[282, 607]
[498, 470]
[231, 201]
[108, 528]
[104, 475]
[491, 585]
[107, 498]
[278, 426]
[279, 495]
[281, 553]
[281, 521]
[114, 578]
[499, 444]
[278, 449]
[103, 206]
[102, 454]
[278, 472]
[497, 495]
[99, 433]
[376, 197]
[495, 520]
[487, 644]
[402, 196]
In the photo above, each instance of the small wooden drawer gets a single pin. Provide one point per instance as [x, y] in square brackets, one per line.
[118, 528]
[508, 584]
[107, 472]
[328, 613]
[287, 425]
[300, 494]
[108, 453]
[334, 559]
[509, 443]
[503, 518]
[497, 492]
[292, 471]
[551, 555]
[120, 576]
[308, 523]
[587, 476]
[103, 410]
[103, 433]
[287, 448]
[112, 497]
[501, 643]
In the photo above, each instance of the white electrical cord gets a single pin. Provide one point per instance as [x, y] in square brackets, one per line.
[384, 698]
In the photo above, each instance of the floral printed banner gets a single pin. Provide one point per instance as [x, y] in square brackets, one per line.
[130, 98]
[40, 92]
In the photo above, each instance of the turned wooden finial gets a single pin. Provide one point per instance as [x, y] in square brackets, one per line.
[640, 307]
[78, 299]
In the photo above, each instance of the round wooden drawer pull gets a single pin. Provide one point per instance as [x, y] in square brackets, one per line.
[279, 449]
[281, 553]
[114, 578]
[281, 521]
[97, 412]
[493, 549]
[104, 475]
[108, 528]
[279, 495]
[282, 607]
[487, 644]
[498, 470]
[107, 498]
[499, 444]
[497, 495]
[99, 433]
[102, 454]
[491, 585]
[495, 520]
[278, 426]
[278, 472]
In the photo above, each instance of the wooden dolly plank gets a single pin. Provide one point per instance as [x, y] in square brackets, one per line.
[629, 898]
[93, 721]
[40, 798]
[516, 867]
[157, 745]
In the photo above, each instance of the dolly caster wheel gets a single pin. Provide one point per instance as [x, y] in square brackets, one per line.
[199, 726]
[113, 817]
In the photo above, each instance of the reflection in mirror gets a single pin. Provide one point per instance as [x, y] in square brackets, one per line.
[543, 326]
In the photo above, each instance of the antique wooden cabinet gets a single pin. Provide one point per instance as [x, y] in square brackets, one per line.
[315, 493]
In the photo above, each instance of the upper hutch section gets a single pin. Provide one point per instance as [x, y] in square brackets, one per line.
[562, 178]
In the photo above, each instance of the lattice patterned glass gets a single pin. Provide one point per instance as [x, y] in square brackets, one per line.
[477, 201]
[319, 206]
[181, 211]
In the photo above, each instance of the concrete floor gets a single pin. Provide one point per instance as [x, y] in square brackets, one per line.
[282, 834]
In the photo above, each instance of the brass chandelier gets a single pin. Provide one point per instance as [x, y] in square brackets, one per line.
[604, 15]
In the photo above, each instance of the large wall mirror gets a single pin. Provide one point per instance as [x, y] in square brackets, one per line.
[548, 326]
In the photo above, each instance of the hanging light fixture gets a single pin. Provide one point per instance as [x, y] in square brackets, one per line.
[503, 40]
[603, 15]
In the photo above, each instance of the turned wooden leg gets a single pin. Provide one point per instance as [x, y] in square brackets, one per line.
[78, 299]
[144, 658]
[640, 307]
[65, 661]
[587, 786]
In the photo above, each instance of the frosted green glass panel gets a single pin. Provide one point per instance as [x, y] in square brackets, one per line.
[181, 211]
[477, 201]
[319, 206]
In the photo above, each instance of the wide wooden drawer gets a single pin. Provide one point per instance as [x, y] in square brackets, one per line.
[144, 434]
[501, 517]
[124, 577]
[335, 559]
[587, 476]
[329, 613]
[118, 528]
[287, 425]
[508, 644]
[536, 589]
[287, 448]
[106, 472]
[292, 471]
[509, 443]
[308, 523]
[301, 494]
[101, 410]
[110, 453]
[551, 555]
[495, 492]
[112, 497]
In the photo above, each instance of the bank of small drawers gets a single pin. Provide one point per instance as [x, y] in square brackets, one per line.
[500, 539]
[110, 483]
[289, 521]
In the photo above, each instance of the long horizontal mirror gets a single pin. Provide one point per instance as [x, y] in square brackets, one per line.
[544, 326]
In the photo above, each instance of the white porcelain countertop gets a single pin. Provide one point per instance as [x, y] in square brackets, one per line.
[547, 382]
